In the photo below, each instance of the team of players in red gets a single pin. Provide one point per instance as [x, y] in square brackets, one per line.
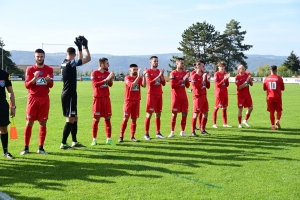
[39, 80]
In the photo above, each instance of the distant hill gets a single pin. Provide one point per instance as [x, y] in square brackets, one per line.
[121, 63]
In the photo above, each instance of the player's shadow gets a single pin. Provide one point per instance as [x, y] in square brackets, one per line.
[51, 174]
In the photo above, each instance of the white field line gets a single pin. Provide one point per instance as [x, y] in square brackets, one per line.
[4, 196]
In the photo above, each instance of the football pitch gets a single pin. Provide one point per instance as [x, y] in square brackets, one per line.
[231, 163]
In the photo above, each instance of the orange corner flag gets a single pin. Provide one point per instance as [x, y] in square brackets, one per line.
[13, 130]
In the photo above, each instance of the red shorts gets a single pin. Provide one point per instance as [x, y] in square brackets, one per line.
[101, 107]
[37, 108]
[154, 103]
[180, 105]
[245, 102]
[200, 104]
[221, 102]
[131, 108]
[274, 106]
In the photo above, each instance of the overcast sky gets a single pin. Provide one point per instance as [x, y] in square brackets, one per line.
[137, 27]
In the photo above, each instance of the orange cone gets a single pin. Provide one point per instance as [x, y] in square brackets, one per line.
[13, 130]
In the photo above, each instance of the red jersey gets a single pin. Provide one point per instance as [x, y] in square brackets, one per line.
[40, 87]
[274, 85]
[221, 85]
[191, 74]
[178, 85]
[197, 83]
[239, 80]
[100, 85]
[154, 86]
[132, 93]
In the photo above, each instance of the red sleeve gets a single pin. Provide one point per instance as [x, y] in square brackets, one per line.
[127, 82]
[282, 84]
[149, 80]
[110, 83]
[97, 83]
[187, 83]
[29, 77]
[173, 82]
[140, 81]
[265, 85]
[163, 82]
[237, 82]
[50, 84]
[207, 84]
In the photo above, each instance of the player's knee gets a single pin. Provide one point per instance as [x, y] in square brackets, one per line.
[43, 123]
[29, 123]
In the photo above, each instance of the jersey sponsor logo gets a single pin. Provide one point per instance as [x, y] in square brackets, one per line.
[183, 83]
[157, 82]
[41, 81]
[9, 78]
[41, 73]
[2, 83]
[172, 77]
[135, 88]
[104, 85]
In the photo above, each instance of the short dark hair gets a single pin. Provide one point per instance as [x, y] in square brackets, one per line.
[40, 51]
[102, 60]
[221, 63]
[179, 58]
[133, 65]
[71, 51]
[273, 68]
[153, 57]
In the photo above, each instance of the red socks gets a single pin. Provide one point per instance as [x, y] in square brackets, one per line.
[42, 135]
[27, 135]
[95, 128]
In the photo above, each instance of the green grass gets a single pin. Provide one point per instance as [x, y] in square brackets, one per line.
[231, 163]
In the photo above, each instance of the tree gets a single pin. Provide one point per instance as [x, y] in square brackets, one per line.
[263, 71]
[230, 48]
[292, 62]
[8, 64]
[198, 43]
[284, 71]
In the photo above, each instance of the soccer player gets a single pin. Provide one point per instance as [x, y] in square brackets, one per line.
[179, 80]
[5, 82]
[69, 92]
[243, 80]
[273, 84]
[101, 81]
[155, 80]
[221, 94]
[200, 104]
[38, 81]
[200, 114]
[132, 100]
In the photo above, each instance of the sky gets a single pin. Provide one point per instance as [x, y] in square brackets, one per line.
[139, 27]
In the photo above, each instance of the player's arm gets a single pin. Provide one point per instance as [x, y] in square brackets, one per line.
[11, 96]
[265, 85]
[173, 82]
[143, 83]
[208, 82]
[282, 84]
[49, 78]
[162, 78]
[30, 78]
[186, 79]
[153, 81]
[110, 81]
[84, 44]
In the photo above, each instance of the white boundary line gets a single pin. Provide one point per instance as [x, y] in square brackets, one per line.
[4, 196]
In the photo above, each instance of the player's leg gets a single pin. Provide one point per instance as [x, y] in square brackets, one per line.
[42, 137]
[215, 112]
[279, 113]
[248, 104]
[173, 123]
[240, 104]
[4, 122]
[31, 115]
[70, 114]
[204, 122]
[184, 110]
[150, 108]
[44, 106]
[194, 121]
[199, 120]
[224, 113]
[108, 114]
[204, 109]
[133, 129]
[158, 109]
[96, 110]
